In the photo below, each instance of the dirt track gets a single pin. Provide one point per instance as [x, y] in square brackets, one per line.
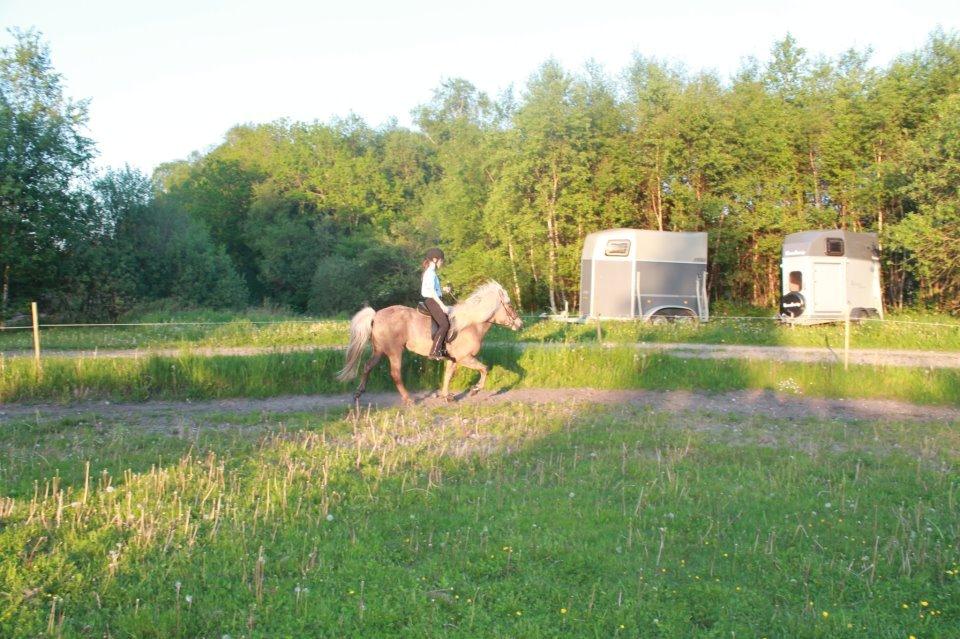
[749, 403]
[868, 356]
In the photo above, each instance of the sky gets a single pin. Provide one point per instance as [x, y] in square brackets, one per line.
[165, 79]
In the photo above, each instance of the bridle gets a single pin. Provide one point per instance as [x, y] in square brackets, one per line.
[512, 315]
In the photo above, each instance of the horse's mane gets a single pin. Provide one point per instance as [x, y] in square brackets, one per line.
[480, 306]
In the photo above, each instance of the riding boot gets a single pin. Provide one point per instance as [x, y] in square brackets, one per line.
[439, 350]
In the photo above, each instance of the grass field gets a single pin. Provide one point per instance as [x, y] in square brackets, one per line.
[196, 377]
[512, 521]
[265, 329]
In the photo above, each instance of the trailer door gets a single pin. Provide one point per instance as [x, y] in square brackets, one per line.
[829, 287]
[613, 288]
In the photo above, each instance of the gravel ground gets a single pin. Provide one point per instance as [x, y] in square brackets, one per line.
[749, 403]
[869, 356]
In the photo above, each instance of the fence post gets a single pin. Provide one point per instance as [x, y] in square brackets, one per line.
[846, 343]
[36, 334]
[599, 332]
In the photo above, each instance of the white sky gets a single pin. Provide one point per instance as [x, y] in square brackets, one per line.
[168, 78]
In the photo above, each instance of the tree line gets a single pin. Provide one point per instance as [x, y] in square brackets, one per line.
[325, 216]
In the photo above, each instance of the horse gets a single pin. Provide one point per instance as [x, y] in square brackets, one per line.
[395, 328]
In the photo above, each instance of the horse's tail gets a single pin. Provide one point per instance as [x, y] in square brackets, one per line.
[360, 328]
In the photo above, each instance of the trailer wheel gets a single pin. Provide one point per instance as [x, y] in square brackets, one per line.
[857, 315]
[671, 315]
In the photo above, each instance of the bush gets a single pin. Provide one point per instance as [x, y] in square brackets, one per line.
[380, 276]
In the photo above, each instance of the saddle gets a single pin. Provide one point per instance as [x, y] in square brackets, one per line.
[451, 334]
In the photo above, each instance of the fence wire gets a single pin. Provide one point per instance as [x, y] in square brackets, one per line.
[557, 318]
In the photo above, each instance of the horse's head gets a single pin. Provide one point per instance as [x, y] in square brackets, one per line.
[488, 304]
[505, 315]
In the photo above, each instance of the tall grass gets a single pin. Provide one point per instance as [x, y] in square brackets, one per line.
[515, 521]
[65, 379]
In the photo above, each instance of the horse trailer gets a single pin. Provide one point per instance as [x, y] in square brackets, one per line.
[830, 276]
[650, 275]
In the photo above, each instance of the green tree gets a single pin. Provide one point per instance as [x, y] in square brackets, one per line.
[42, 154]
[931, 233]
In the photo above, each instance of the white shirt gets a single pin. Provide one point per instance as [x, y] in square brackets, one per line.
[430, 285]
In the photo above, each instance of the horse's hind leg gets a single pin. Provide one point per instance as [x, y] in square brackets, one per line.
[396, 359]
[474, 363]
[373, 361]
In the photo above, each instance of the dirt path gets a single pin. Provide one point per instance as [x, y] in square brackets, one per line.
[868, 356]
[748, 403]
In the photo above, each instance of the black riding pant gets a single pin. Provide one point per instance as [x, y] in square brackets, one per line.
[443, 324]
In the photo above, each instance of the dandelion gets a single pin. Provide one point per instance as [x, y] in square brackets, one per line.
[825, 614]
[519, 613]
[189, 599]
[563, 611]
[330, 517]
[924, 603]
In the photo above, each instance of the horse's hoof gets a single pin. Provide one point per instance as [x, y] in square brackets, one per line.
[474, 391]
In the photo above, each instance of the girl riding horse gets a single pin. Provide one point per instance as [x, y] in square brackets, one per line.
[431, 292]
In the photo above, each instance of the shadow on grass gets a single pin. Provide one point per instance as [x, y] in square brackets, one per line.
[519, 522]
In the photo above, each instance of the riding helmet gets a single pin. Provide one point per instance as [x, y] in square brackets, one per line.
[434, 253]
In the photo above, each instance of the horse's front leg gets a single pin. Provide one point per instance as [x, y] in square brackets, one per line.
[450, 367]
[475, 364]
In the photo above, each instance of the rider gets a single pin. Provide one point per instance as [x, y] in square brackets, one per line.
[430, 289]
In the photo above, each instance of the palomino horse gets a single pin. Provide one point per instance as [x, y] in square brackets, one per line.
[394, 328]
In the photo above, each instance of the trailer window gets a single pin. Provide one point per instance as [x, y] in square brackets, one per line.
[834, 246]
[617, 248]
[796, 281]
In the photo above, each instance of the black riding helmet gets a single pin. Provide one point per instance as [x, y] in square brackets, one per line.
[434, 253]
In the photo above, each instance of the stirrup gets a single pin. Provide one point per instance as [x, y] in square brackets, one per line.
[439, 357]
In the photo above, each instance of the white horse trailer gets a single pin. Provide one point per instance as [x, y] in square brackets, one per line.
[829, 276]
[650, 275]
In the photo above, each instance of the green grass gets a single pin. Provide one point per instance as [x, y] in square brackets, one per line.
[510, 521]
[268, 329]
[195, 377]
[759, 331]
[188, 329]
